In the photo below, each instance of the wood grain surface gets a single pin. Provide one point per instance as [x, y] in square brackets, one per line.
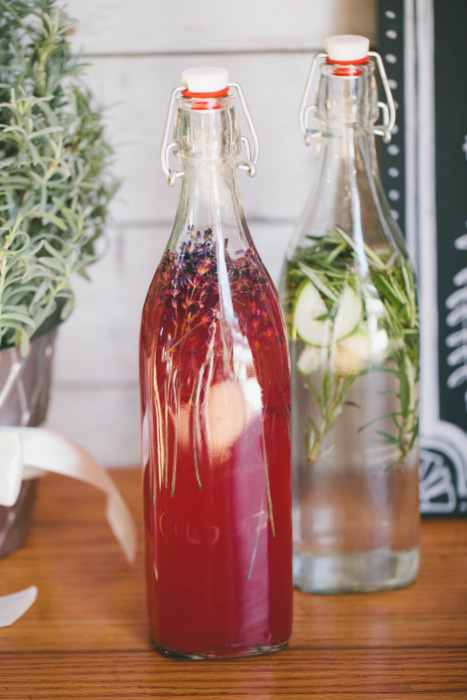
[86, 636]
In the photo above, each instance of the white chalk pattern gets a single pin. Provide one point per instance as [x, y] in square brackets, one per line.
[457, 319]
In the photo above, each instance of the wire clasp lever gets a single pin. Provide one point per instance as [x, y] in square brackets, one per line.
[308, 111]
[171, 147]
[388, 108]
[249, 164]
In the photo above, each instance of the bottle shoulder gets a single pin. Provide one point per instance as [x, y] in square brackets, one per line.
[194, 288]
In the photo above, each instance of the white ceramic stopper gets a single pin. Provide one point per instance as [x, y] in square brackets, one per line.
[209, 79]
[347, 47]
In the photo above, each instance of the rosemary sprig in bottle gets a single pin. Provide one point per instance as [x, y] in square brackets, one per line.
[331, 263]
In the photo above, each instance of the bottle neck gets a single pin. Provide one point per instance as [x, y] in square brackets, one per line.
[347, 97]
[209, 144]
[348, 173]
[349, 193]
[347, 111]
[208, 195]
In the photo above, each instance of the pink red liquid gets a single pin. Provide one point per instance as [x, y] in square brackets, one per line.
[215, 405]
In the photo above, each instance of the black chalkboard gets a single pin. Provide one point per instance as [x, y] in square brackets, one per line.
[425, 176]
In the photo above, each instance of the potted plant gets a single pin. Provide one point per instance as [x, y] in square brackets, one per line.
[55, 187]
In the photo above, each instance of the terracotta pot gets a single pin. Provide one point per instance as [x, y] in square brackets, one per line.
[24, 398]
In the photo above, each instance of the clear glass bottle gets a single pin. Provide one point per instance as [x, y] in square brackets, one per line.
[350, 301]
[215, 402]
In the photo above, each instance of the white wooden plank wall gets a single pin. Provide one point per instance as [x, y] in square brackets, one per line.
[136, 50]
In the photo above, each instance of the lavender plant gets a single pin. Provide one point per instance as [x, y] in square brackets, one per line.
[55, 184]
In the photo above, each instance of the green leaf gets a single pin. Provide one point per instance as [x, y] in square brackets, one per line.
[404, 390]
[315, 279]
[8, 316]
[390, 439]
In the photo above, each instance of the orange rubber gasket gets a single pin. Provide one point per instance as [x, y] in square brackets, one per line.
[348, 63]
[220, 93]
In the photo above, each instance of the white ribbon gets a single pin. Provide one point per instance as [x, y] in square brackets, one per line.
[26, 453]
[13, 606]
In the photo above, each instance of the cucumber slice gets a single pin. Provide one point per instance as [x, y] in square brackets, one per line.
[310, 306]
[309, 360]
[349, 314]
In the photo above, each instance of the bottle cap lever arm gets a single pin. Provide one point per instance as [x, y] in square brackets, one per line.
[306, 110]
[387, 108]
[249, 164]
[167, 147]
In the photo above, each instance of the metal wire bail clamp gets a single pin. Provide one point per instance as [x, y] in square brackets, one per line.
[249, 164]
[167, 147]
[388, 109]
[307, 110]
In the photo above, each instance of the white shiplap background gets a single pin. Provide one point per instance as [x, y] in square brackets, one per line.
[135, 51]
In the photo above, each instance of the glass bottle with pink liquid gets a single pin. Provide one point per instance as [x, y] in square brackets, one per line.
[215, 402]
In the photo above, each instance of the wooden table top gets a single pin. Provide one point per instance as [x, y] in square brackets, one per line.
[86, 636]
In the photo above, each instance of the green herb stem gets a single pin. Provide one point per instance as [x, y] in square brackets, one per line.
[328, 262]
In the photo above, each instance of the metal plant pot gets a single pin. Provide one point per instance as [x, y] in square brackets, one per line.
[24, 399]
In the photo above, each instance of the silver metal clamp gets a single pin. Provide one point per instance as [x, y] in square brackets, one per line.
[168, 147]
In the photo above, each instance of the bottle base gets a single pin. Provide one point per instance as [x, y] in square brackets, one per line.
[355, 572]
[223, 654]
